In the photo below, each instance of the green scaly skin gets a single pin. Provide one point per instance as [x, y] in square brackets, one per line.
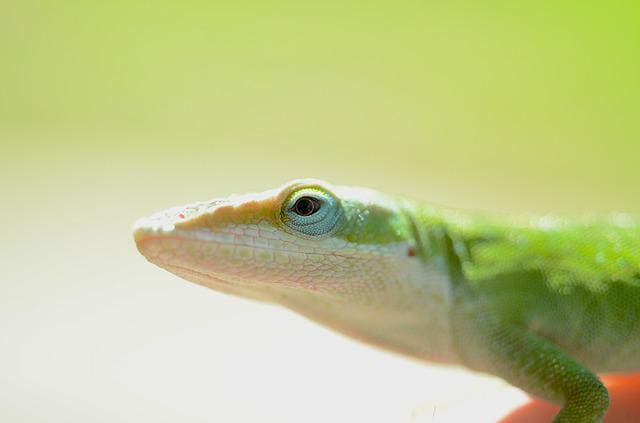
[542, 302]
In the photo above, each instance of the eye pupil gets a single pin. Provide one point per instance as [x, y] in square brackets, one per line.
[306, 206]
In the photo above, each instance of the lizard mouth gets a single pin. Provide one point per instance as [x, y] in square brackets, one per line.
[227, 285]
[224, 266]
[187, 273]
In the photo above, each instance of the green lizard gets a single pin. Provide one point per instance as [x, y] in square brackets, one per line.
[542, 302]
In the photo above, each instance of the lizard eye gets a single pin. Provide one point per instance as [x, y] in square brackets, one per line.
[311, 212]
[306, 206]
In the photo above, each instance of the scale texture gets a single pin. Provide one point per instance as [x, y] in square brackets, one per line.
[543, 302]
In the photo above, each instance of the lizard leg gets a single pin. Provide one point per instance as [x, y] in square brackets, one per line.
[541, 368]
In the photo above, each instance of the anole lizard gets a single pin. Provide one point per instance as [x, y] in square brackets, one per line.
[542, 302]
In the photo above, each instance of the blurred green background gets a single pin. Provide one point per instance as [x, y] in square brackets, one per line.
[112, 110]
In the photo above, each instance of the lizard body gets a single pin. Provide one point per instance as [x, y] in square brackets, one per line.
[542, 302]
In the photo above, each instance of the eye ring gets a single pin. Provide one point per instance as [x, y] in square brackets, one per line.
[311, 212]
[306, 206]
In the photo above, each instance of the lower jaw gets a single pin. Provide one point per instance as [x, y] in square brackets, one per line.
[256, 291]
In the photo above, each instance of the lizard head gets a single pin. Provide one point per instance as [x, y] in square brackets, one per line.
[343, 256]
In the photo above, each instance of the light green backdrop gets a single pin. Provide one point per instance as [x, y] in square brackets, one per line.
[113, 110]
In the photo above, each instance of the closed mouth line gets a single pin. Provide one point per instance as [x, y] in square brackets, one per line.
[278, 250]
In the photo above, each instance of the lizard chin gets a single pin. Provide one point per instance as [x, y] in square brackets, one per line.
[258, 273]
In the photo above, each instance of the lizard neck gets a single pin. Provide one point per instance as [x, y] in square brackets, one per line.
[411, 318]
